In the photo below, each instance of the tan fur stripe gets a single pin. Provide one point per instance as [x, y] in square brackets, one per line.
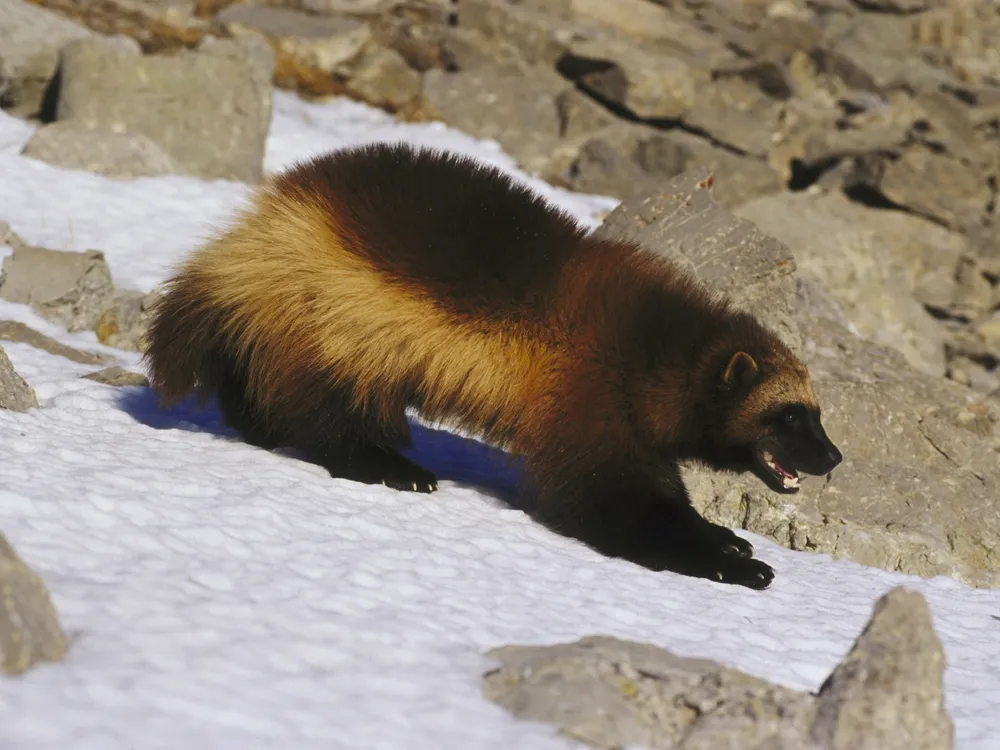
[305, 301]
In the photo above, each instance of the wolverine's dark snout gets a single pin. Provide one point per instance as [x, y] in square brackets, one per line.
[826, 455]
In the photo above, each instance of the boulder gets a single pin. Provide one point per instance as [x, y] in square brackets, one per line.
[30, 632]
[532, 113]
[15, 393]
[30, 40]
[72, 145]
[205, 110]
[869, 260]
[887, 693]
[68, 288]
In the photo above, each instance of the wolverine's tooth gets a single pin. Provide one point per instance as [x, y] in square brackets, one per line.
[766, 456]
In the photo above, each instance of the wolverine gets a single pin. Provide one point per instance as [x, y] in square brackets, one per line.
[382, 278]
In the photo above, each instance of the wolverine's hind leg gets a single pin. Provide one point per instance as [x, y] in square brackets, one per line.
[321, 423]
[360, 447]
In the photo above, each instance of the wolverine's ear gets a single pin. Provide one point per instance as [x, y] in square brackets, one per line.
[741, 370]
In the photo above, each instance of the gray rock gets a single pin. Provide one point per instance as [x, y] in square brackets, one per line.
[888, 692]
[530, 110]
[72, 145]
[326, 43]
[30, 40]
[362, 8]
[382, 78]
[125, 320]
[540, 33]
[15, 331]
[601, 168]
[610, 693]
[29, 625]
[68, 288]
[205, 110]
[15, 393]
[734, 112]
[930, 184]
[626, 160]
[867, 261]
[728, 253]
[670, 31]
[643, 81]
[255, 54]
[118, 377]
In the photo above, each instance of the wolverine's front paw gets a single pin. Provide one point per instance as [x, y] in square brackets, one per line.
[732, 544]
[741, 571]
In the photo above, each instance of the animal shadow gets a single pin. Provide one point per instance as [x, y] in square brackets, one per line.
[451, 457]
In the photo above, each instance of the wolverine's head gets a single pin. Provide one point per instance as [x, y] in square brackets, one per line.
[769, 421]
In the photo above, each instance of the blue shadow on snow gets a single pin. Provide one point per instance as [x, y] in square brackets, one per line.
[451, 457]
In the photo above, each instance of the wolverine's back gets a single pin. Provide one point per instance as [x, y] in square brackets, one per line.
[464, 231]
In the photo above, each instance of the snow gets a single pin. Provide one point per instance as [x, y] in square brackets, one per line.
[223, 597]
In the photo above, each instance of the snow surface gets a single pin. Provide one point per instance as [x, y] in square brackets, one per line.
[223, 597]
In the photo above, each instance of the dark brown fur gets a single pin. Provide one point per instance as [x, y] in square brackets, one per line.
[376, 279]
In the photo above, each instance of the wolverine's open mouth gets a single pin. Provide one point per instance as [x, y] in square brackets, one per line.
[788, 478]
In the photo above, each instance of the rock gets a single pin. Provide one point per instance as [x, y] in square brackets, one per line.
[888, 692]
[382, 78]
[737, 178]
[68, 288]
[29, 626]
[814, 136]
[734, 112]
[30, 40]
[626, 160]
[600, 168]
[118, 377]
[973, 374]
[205, 110]
[71, 145]
[867, 261]
[539, 33]
[252, 52]
[11, 330]
[361, 8]
[124, 322]
[529, 111]
[730, 254]
[612, 693]
[946, 124]
[646, 83]
[913, 492]
[15, 393]
[990, 331]
[928, 183]
[323, 42]
[671, 32]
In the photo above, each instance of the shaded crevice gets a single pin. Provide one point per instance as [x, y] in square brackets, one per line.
[573, 68]
[805, 175]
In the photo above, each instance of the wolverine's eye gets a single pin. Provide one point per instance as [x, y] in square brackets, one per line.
[792, 417]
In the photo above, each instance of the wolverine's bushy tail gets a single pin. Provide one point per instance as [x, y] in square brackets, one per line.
[185, 349]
